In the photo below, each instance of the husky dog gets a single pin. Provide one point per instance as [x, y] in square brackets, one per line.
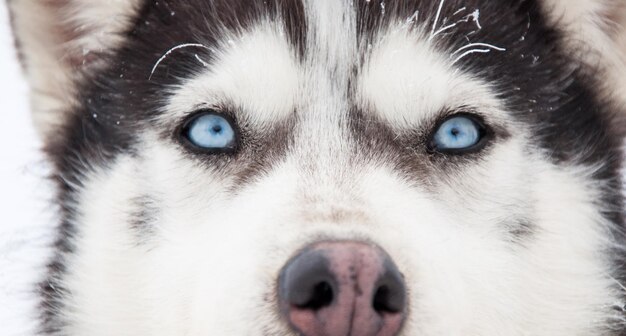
[331, 167]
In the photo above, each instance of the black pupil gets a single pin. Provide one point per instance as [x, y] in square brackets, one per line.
[455, 131]
[217, 128]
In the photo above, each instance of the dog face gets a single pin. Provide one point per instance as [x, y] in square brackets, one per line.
[328, 167]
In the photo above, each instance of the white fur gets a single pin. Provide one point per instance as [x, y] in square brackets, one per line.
[209, 259]
[215, 258]
[210, 265]
[256, 71]
[406, 81]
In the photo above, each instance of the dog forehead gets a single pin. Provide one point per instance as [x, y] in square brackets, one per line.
[394, 63]
[314, 57]
[328, 32]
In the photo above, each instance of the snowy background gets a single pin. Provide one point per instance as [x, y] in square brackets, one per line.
[25, 217]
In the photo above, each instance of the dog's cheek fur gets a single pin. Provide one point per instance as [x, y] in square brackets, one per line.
[508, 283]
[199, 267]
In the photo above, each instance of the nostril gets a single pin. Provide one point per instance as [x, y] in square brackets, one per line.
[390, 292]
[307, 282]
[381, 301]
[385, 301]
[321, 296]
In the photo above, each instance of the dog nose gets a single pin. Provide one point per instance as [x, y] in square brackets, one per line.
[343, 289]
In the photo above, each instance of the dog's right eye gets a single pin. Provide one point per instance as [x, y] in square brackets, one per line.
[458, 134]
[211, 132]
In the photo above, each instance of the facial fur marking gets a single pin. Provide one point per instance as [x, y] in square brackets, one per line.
[143, 216]
[257, 73]
[336, 107]
[521, 229]
[403, 80]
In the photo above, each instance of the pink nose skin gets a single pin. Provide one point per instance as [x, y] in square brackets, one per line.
[343, 289]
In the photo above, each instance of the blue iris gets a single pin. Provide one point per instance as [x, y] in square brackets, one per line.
[458, 133]
[211, 131]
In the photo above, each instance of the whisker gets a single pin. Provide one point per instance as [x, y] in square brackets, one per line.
[478, 44]
[459, 11]
[201, 61]
[180, 46]
[443, 29]
[469, 52]
[436, 19]
[618, 283]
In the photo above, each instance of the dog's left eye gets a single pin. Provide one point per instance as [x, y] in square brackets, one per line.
[457, 134]
[211, 132]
